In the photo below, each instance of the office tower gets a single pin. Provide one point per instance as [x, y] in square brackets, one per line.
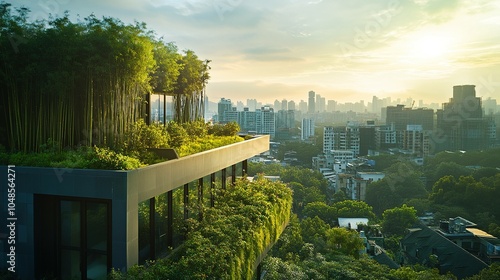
[401, 117]
[291, 105]
[230, 116]
[284, 105]
[367, 139]
[490, 106]
[247, 121]
[307, 129]
[277, 105]
[311, 106]
[332, 106]
[320, 103]
[223, 106]
[285, 121]
[265, 121]
[252, 104]
[461, 121]
[303, 106]
[239, 106]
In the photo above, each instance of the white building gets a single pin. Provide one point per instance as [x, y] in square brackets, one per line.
[307, 129]
[342, 138]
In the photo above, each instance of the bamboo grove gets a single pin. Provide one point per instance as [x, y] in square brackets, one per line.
[85, 83]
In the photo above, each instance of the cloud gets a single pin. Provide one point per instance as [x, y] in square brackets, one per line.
[289, 47]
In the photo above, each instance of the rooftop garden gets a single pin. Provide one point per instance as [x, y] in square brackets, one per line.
[135, 151]
[78, 94]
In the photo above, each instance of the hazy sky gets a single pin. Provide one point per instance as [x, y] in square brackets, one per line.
[343, 50]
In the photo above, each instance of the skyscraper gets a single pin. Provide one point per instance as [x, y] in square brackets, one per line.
[303, 106]
[311, 106]
[277, 105]
[252, 104]
[266, 121]
[331, 107]
[223, 106]
[401, 117]
[284, 104]
[461, 121]
[307, 129]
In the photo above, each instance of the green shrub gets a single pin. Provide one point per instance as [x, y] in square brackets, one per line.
[141, 136]
[103, 158]
[228, 129]
[247, 218]
[177, 134]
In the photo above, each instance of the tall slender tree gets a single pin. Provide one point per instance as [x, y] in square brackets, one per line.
[84, 83]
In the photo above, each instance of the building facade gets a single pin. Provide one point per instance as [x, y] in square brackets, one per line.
[307, 129]
[461, 122]
[79, 224]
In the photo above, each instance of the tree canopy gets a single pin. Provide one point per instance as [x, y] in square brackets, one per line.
[85, 83]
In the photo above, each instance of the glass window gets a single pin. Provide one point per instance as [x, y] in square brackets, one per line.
[84, 239]
[144, 230]
[70, 264]
[97, 230]
[97, 266]
[161, 222]
[70, 223]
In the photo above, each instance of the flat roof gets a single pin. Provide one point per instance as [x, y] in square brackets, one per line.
[480, 233]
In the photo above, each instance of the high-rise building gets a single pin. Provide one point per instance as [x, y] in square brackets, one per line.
[320, 103]
[416, 140]
[461, 121]
[239, 106]
[265, 121]
[401, 117]
[386, 137]
[342, 138]
[490, 106]
[291, 105]
[367, 138]
[332, 106]
[230, 116]
[284, 104]
[285, 121]
[328, 139]
[223, 106]
[311, 106]
[303, 106]
[277, 105]
[247, 121]
[377, 104]
[307, 129]
[252, 104]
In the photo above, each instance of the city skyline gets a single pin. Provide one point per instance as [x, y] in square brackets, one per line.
[343, 51]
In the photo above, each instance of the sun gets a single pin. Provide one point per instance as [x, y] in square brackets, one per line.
[429, 47]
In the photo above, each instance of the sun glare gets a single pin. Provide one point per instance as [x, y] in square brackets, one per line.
[425, 48]
[429, 47]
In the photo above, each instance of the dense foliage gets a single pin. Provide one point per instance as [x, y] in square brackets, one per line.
[86, 83]
[302, 251]
[132, 154]
[226, 244]
[302, 151]
[311, 249]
